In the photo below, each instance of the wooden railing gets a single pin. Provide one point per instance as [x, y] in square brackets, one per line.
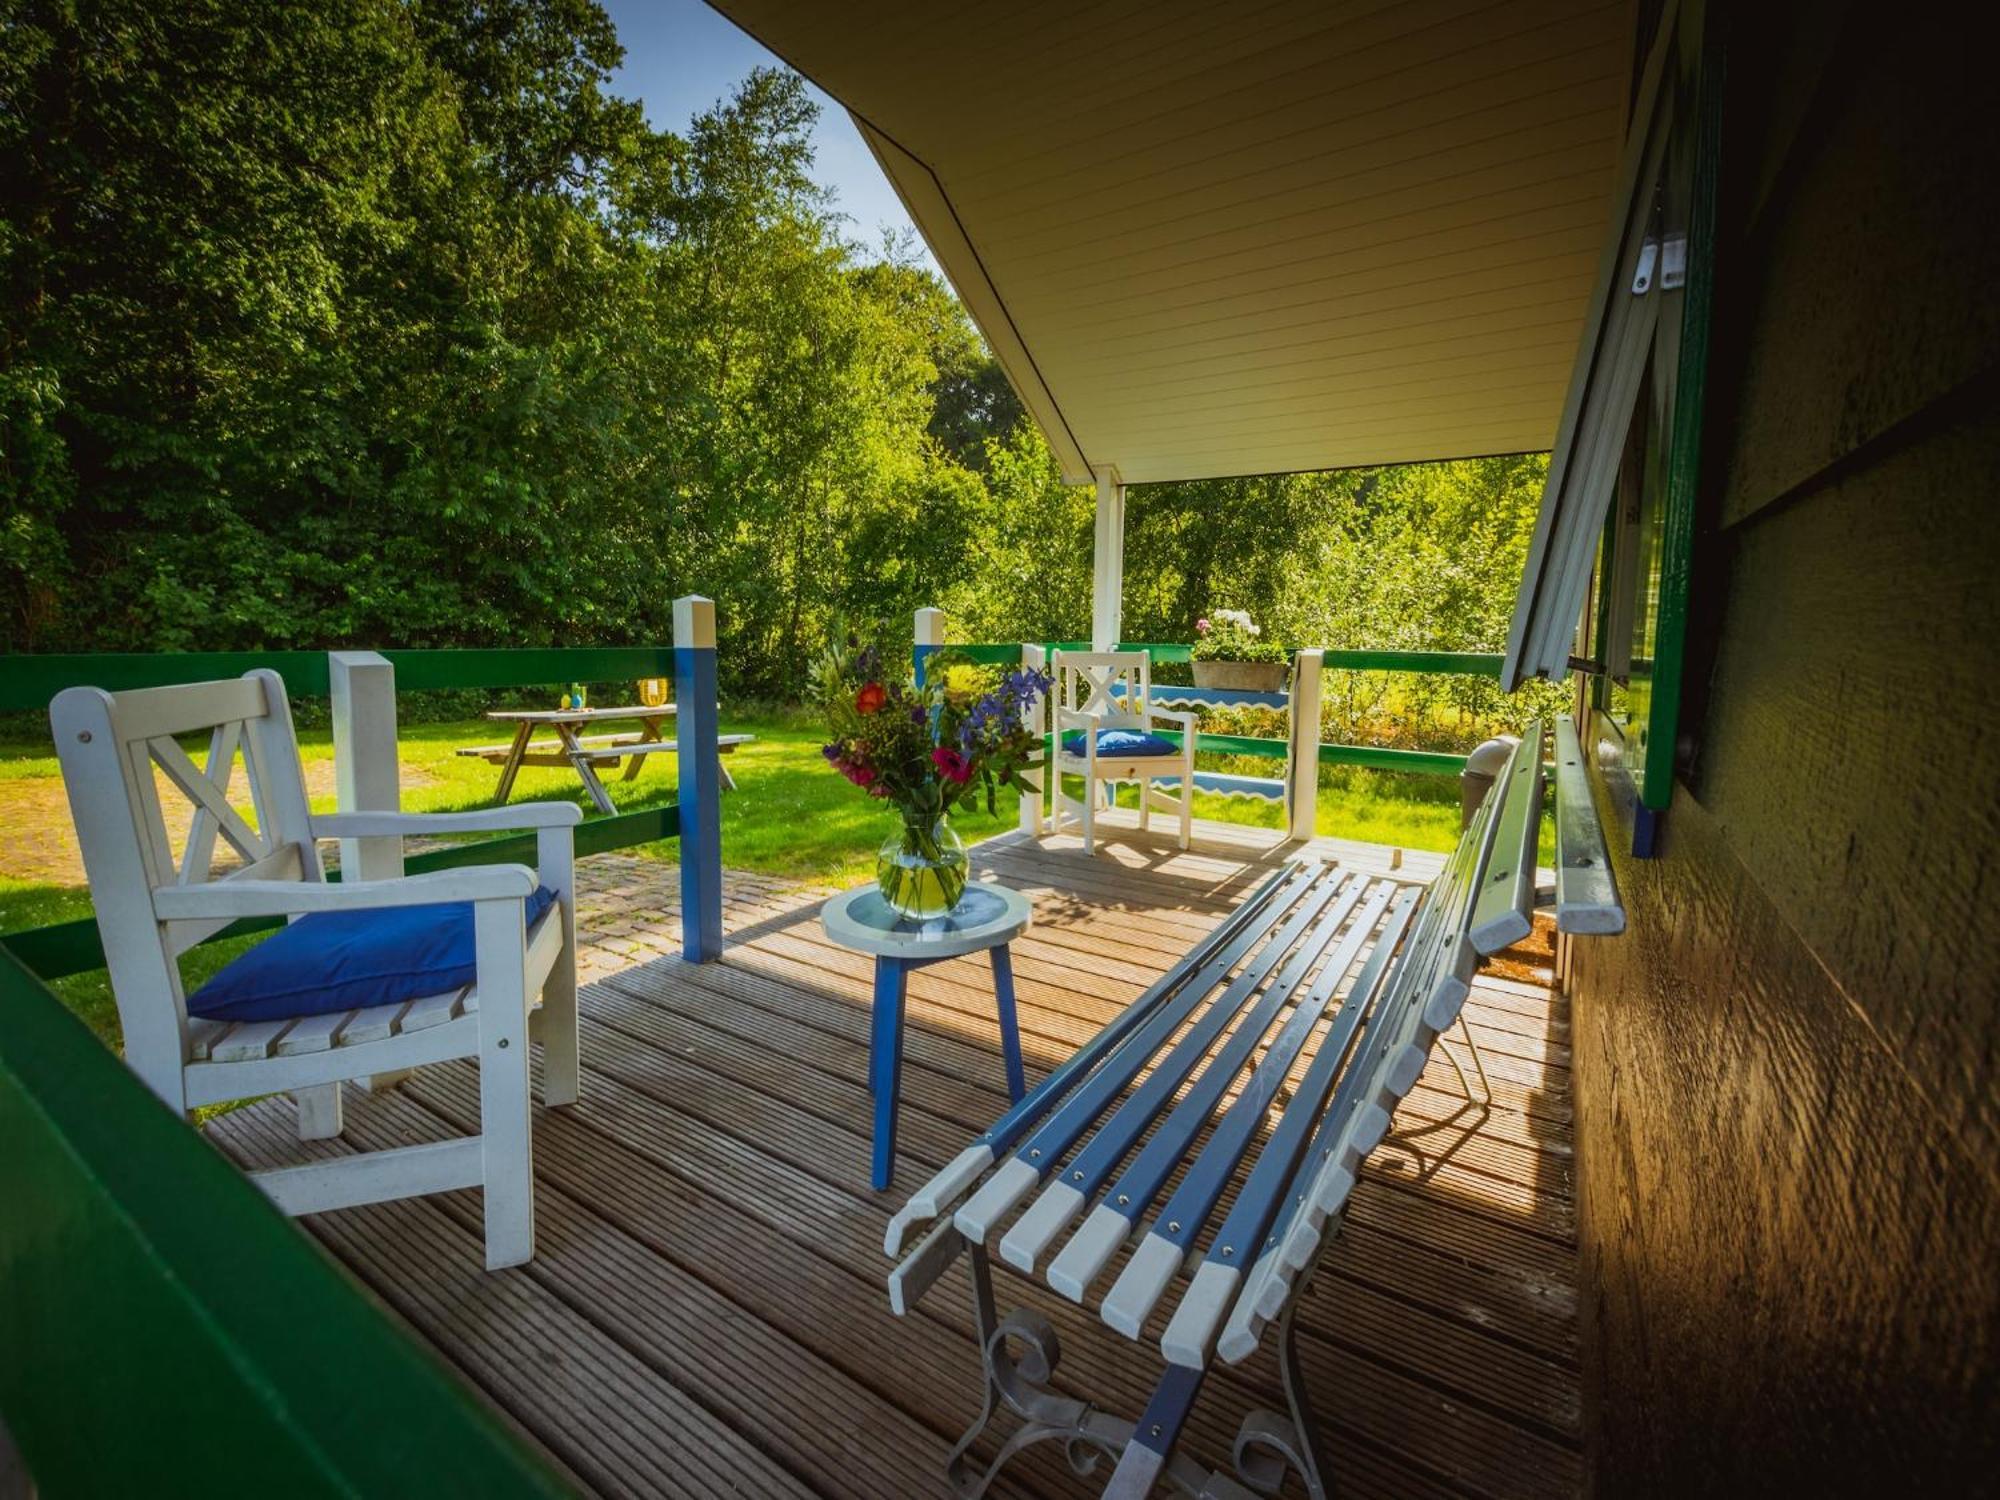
[365, 727]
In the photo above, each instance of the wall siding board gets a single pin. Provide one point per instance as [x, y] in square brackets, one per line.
[1788, 1069]
[1852, 758]
[1872, 265]
[1789, 1269]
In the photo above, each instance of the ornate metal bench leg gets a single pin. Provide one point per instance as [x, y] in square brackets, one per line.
[1019, 1380]
[1268, 1444]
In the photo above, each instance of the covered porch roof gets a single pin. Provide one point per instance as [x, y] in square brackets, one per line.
[1209, 241]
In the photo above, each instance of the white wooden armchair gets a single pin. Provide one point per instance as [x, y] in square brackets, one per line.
[152, 907]
[1107, 731]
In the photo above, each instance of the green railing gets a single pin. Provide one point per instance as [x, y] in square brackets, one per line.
[1370, 757]
[167, 1332]
[29, 682]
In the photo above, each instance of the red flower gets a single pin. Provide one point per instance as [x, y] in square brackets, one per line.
[952, 765]
[870, 698]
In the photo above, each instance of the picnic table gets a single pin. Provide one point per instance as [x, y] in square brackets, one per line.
[585, 753]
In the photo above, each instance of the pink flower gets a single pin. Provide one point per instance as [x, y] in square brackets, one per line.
[1201, 625]
[858, 774]
[951, 765]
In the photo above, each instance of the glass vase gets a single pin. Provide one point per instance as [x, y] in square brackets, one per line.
[921, 869]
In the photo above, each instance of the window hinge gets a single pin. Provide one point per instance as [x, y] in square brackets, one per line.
[1649, 260]
[1673, 262]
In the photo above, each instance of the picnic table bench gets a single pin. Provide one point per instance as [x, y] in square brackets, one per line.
[585, 753]
[1271, 1060]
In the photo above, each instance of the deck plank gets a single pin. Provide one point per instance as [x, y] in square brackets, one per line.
[706, 1309]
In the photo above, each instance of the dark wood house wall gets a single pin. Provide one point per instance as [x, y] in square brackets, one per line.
[1788, 1069]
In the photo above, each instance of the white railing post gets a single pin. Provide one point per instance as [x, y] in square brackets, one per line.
[701, 779]
[1302, 746]
[1035, 659]
[927, 638]
[366, 776]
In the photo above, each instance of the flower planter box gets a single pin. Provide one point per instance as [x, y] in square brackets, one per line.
[1246, 676]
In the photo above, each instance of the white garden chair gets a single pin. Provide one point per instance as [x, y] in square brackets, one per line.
[152, 907]
[1107, 732]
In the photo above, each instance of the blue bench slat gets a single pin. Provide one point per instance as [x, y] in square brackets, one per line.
[1140, 1182]
[1046, 1147]
[1181, 1220]
[1408, 986]
[1114, 1138]
[1256, 907]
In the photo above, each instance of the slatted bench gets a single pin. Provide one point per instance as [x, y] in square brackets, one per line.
[1269, 1061]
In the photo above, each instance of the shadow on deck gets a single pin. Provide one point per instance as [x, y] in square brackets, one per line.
[706, 1311]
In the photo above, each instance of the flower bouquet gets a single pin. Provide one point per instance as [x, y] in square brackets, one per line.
[926, 748]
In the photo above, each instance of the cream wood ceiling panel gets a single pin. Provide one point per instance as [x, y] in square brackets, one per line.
[1211, 239]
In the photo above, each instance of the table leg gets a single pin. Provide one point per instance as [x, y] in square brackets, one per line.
[511, 767]
[1010, 1024]
[650, 734]
[885, 1062]
[586, 772]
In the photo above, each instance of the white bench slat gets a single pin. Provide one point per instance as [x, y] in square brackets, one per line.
[202, 1034]
[374, 1023]
[1587, 901]
[313, 1034]
[435, 1010]
[248, 1040]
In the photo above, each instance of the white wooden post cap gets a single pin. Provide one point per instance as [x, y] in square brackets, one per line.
[930, 627]
[694, 621]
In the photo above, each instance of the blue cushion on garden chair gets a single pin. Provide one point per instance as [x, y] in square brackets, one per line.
[1121, 742]
[349, 960]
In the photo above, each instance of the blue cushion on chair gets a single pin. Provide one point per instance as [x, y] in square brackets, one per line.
[347, 960]
[1121, 742]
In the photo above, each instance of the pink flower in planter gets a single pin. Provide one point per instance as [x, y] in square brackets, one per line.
[1201, 625]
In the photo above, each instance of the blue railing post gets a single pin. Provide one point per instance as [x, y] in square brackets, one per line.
[929, 640]
[701, 779]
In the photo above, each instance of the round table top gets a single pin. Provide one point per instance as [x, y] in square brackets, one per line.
[986, 916]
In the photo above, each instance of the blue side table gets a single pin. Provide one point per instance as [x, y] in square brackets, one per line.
[989, 917]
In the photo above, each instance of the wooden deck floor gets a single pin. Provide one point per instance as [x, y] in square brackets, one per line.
[706, 1311]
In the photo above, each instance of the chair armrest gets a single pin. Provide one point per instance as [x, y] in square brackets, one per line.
[363, 825]
[1071, 718]
[284, 898]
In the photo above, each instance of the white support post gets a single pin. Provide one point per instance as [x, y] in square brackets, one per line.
[928, 638]
[366, 777]
[1035, 658]
[1108, 563]
[1302, 746]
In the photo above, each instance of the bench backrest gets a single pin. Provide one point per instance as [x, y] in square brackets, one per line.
[118, 751]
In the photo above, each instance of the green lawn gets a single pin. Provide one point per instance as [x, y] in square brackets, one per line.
[792, 816]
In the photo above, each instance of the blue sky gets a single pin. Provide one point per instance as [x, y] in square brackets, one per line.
[681, 57]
